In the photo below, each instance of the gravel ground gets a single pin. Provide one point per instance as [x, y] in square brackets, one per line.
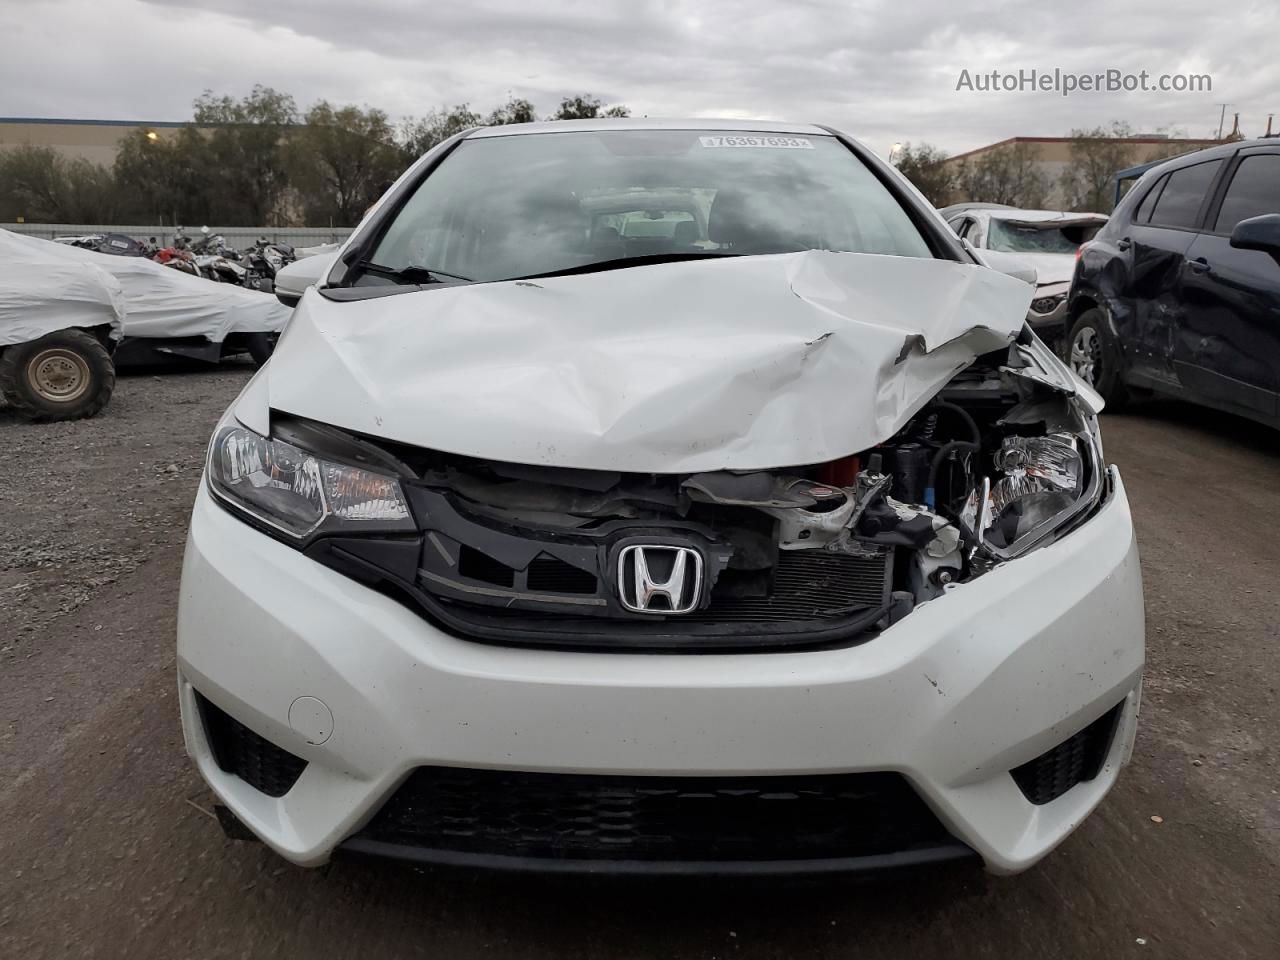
[106, 849]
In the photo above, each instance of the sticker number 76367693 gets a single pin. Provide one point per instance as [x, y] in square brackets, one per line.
[775, 143]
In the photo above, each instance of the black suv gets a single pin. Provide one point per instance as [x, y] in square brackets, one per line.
[1180, 292]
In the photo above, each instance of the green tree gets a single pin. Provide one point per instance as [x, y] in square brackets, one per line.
[168, 180]
[926, 167]
[587, 107]
[39, 184]
[246, 149]
[513, 111]
[31, 183]
[341, 160]
[418, 135]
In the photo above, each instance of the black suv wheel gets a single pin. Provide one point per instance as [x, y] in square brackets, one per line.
[1093, 355]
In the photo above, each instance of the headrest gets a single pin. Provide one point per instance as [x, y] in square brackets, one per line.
[686, 232]
[728, 222]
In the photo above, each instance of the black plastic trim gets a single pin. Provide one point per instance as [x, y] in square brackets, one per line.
[654, 868]
[600, 635]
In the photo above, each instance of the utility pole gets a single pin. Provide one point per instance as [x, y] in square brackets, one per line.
[1222, 117]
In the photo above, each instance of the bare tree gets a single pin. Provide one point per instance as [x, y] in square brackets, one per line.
[926, 167]
[1097, 155]
[1008, 174]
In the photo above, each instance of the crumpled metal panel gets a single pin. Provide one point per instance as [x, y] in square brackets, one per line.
[745, 363]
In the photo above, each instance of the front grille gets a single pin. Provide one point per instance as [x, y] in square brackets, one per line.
[577, 817]
[810, 585]
[552, 575]
[254, 759]
[480, 566]
[1074, 760]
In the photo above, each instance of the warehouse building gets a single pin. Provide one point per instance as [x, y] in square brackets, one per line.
[1052, 155]
[92, 140]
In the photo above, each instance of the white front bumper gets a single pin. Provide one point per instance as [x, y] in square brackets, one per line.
[955, 695]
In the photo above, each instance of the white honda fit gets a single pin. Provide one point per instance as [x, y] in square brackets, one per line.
[660, 497]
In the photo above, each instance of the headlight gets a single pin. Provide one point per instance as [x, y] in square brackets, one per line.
[1041, 484]
[1046, 305]
[298, 493]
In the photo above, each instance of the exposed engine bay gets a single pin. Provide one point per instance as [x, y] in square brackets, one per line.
[811, 554]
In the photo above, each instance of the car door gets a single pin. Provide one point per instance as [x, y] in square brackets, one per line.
[1163, 229]
[1228, 343]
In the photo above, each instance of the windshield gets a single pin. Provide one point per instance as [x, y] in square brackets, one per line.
[515, 206]
[1009, 237]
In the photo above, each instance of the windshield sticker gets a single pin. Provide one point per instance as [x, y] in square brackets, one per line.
[774, 143]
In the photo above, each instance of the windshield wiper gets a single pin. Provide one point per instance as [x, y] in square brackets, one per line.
[412, 274]
[621, 263]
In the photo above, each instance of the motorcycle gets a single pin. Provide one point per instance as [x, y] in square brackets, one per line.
[265, 259]
[115, 244]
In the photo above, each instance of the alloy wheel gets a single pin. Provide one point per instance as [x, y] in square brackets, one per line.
[1086, 355]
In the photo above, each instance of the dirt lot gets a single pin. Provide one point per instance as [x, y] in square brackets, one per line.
[106, 852]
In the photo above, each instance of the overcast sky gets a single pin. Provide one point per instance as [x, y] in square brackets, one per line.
[885, 71]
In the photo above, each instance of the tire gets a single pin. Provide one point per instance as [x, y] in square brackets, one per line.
[260, 346]
[65, 375]
[1092, 353]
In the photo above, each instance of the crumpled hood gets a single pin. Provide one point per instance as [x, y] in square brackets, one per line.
[743, 363]
[1051, 267]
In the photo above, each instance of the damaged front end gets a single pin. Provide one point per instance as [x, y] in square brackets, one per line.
[1002, 460]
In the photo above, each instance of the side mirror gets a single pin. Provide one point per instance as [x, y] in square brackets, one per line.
[1011, 265]
[1258, 233]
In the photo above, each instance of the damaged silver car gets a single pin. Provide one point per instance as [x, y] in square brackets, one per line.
[660, 497]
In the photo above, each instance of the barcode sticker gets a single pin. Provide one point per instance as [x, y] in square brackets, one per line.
[768, 143]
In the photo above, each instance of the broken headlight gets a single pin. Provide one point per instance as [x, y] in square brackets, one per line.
[1041, 482]
[297, 493]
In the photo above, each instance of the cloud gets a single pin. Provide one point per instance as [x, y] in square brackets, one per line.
[885, 71]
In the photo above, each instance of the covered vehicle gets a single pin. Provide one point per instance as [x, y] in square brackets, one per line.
[59, 322]
[1046, 239]
[693, 501]
[174, 314]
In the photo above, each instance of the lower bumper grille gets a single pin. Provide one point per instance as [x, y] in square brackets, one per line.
[575, 817]
[254, 759]
[1074, 760]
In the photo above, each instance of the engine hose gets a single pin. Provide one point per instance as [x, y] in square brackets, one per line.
[963, 414]
[930, 490]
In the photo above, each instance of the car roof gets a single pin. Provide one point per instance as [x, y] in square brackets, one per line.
[1012, 213]
[1208, 153]
[648, 123]
[955, 208]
